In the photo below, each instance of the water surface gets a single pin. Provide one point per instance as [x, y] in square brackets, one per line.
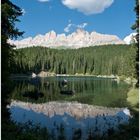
[89, 90]
[87, 105]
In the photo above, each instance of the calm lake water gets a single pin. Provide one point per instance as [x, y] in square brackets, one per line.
[88, 90]
[53, 104]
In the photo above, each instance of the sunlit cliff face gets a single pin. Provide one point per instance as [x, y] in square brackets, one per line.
[78, 39]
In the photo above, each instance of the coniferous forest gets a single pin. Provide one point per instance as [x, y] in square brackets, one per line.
[121, 60]
[97, 60]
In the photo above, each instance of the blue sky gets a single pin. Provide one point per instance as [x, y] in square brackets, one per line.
[64, 16]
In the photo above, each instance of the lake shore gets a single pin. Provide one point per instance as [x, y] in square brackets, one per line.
[66, 75]
[128, 80]
[133, 98]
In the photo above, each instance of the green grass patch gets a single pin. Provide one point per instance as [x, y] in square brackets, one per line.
[133, 98]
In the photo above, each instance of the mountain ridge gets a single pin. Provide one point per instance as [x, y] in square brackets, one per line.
[78, 39]
[131, 38]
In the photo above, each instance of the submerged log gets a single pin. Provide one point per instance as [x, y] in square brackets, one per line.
[33, 94]
[67, 92]
[64, 82]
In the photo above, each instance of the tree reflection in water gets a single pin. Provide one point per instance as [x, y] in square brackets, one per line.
[90, 90]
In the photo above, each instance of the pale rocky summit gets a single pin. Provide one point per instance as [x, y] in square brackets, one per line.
[78, 39]
[130, 38]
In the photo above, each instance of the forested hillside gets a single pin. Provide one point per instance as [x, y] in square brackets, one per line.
[98, 60]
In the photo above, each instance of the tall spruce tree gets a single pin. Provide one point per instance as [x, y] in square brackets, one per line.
[136, 28]
[9, 15]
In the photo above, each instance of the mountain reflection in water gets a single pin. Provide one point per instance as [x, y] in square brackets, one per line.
[72, 115]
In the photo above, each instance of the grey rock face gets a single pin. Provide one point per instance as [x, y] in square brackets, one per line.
[78, 39]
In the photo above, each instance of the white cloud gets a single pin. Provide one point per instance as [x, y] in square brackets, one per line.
[83, 25]
[43, 0]
[67, 28]
[70, 26]
[23, 12]
[88, 6]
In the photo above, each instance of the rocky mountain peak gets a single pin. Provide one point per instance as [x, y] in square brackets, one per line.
[80, 31]
[79, 38]
[130, 38]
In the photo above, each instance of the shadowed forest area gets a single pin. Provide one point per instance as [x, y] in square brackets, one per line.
[97, 60]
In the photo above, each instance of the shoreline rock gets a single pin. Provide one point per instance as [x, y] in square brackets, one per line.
[45, 74]
[33, 75]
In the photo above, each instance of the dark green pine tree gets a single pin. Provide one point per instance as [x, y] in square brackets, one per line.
[97, 60]
[136, 27]
[9, 14]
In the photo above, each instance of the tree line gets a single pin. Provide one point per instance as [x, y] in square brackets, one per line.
[97, 60]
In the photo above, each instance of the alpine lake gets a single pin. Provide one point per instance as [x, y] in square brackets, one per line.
[78, 104]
